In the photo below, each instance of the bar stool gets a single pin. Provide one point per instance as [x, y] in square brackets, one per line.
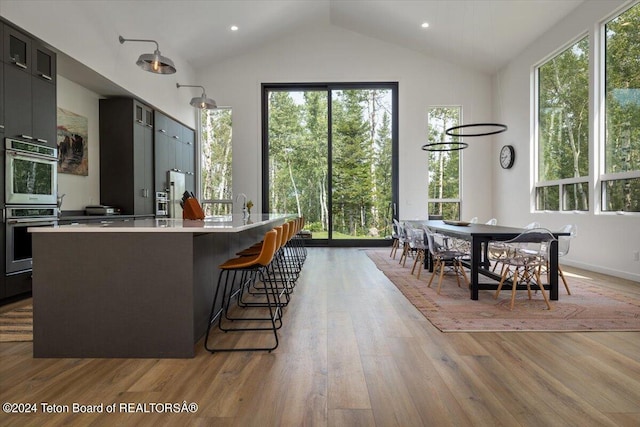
[275, 276]
[250, 268]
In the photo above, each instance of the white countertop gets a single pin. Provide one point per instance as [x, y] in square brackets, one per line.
[223, 224]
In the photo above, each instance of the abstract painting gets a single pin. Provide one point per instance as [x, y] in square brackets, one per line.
[73, 144]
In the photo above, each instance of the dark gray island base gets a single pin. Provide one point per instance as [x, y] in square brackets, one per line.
[141, 290]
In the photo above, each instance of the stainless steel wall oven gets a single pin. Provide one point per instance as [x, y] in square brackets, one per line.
[18, 239]
[31, 173]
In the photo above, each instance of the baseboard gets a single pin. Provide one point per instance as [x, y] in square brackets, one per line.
[603, 270]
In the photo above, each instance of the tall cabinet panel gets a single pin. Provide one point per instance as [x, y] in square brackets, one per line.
[188, 158]
[164, 153]
[17, 96]
[44, 102]
[126, 156]
[29, 88]
[174, 150]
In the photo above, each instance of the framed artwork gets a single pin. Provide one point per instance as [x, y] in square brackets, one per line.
[73, 145]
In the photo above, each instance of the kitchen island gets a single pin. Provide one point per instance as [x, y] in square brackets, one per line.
[138, 288]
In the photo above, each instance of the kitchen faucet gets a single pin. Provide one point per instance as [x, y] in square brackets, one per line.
[244, 204]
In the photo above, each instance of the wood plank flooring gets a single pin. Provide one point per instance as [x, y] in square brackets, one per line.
[353, 352]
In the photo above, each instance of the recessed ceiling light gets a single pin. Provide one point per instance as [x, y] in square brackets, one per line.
[425, 25]
[234, 28]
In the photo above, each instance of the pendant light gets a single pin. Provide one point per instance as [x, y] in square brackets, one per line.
[152, 62]
[445, 146]
[201, 101]
[480, 129]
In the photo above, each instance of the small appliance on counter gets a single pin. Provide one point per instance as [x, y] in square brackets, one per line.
[101, 210]
[162, 201]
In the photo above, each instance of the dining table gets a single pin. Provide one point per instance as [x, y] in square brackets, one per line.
[479, 236]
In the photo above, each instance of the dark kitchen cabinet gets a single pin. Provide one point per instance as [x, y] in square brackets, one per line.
[29, 88]
[17, 97]
[126, 156]
[44, 112]
[17, 48]
[188, 158]
[43, 63]
[2, 44]
[174, 150]
[164, 151]
[2, 91]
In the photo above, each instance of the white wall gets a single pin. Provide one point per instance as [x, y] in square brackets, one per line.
[605, 243]
[81, 190]
[332, 54]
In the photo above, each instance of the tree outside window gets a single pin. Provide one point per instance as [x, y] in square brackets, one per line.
[216, 156]
[621, 177]
[563, 130]
[444, 166]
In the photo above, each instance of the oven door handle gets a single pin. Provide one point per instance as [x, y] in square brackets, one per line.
[27, 155]
[31, 221]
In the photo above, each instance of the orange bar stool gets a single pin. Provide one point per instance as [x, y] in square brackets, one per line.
[293, 257]
[250, 269]
[283, 291]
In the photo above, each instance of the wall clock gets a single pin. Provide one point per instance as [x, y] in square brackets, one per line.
[507, 156]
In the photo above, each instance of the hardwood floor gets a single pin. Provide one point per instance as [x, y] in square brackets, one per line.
[353, 351]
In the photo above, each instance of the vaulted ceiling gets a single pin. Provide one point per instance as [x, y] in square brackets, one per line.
[481, 34]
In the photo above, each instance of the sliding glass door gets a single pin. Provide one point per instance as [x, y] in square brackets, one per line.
[330, 155]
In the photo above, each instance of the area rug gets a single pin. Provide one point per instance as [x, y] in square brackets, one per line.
[17, 325]
[589, 307]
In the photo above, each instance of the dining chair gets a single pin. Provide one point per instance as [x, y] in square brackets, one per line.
[420, 247]
[444, 257]
[403, 240]
[525, 255]
[395, 236]
[497, 250]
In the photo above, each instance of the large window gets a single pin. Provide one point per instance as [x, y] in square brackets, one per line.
[620, 179]
[563, 130]
[215, 162]
[328, 155]
[444, 166]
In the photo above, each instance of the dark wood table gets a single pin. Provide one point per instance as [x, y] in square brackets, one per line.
[480, 235]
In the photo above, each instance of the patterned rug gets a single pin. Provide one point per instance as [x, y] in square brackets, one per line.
[17, 325]
[588, 308]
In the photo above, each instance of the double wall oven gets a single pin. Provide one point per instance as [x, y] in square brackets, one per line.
[30, 198]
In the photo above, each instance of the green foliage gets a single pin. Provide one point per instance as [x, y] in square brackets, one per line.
[361, 158]
[564, 114]
[622, 110]
[563, 132]
[314, 226]
[444, 166]
[216, 158]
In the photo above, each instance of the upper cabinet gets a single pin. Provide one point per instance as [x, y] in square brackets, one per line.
[174, 150]
[17, 48]
[43, 63]
[29, 83]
